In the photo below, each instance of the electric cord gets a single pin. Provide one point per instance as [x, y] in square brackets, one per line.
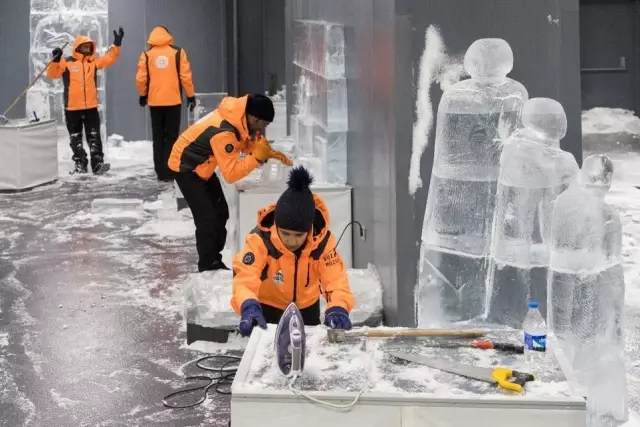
[347, 226]
[224, 378]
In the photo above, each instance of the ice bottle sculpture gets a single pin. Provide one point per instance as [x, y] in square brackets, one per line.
[586, 290]
[475, 117]
[533, 172]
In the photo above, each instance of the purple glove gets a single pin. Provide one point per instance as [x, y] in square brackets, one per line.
[337, 318]
[251, 316]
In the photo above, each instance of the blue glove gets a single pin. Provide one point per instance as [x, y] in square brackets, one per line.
[337, 318]
[251, 316]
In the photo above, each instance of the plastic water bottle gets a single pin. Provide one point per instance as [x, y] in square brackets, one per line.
[535, 338]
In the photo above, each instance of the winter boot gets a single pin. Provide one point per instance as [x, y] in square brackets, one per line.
[79, 168]
[101, 168]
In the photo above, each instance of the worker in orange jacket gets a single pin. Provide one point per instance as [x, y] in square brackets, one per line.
[219, 141]
[291, 257]
[163, 73]
[78, 73]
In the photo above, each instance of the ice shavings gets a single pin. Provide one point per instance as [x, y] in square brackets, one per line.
[602, 120]
[358, 364]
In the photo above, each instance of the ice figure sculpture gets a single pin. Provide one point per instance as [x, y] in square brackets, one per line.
[586, 289]
[320, 120]
[52, 23]
[475, 117]
[533, 172]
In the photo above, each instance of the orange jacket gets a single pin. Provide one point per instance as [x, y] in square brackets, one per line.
[216, 141]
[163, 71]
[78, 74]
[268, 272]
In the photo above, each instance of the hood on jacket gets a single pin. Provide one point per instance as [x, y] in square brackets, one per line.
[266, 220]
[160, 37]
[233, 110]
[80, 39]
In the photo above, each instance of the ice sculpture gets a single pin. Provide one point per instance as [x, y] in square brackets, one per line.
[320, 120]
[475, 117]
[533, 172]
[52, 23]
[586, 289]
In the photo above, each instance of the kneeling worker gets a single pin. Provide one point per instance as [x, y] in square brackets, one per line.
[217, 142]
[291, 257]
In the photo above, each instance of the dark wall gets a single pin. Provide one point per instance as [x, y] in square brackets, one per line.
[547, 62]
[198, 26]
[14, 54]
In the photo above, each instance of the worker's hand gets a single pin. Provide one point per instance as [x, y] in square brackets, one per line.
[279, 155]
[143, 101]
[251, 316]
[191, 102]
[337, 318]
[117, 37]
[57, 54]
[261, 149]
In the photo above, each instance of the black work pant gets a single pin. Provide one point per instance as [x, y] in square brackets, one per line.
[165, 128]
[90, 120]
[310, 315]
[210, 215]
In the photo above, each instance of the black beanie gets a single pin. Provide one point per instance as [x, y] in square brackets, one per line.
[261, 107]
[296, 208]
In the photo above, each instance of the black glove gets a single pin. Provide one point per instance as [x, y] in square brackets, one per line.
[57, 54]
[191, 102]
[117, 37]
[143, 101]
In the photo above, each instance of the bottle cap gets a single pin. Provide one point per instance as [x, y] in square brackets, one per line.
[533, 304]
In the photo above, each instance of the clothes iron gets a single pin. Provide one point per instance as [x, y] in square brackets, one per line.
[290, 342]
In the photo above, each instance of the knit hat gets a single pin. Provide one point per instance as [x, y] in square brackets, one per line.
[261, 107]
[296, 208]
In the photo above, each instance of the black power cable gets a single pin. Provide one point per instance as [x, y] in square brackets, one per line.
[224, 378]
[347, 226]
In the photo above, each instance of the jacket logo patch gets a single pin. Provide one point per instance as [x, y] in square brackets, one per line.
[75, 68]
[162, 62]
[229, 148]
[249, 258]
[331, 259]
[278, 278]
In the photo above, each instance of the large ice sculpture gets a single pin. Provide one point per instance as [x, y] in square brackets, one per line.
[586, 289]
[320, 120]
[533, 172]
[475, 117]
[52, 23]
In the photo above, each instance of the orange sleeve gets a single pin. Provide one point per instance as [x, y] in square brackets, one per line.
[56, 69]
[109, 59]
[247, 269]
[226, 150]
[186, 78]
[333, 278]
[142, 76]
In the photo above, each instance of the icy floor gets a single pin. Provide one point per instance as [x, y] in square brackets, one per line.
[91, 330]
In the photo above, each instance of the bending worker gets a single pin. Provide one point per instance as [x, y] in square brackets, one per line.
[291, 257]
[218, 142]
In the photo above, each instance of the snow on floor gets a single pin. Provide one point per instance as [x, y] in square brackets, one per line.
[601, 120]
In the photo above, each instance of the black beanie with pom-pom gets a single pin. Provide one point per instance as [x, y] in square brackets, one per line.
[296, 208]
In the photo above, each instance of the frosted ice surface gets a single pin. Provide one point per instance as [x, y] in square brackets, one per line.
[207, 299]
[489, 58]
[68, 5]
[533, 172]
[336, 106]
[586, 287]
[334, 51]
[475, 118]
[111, 205]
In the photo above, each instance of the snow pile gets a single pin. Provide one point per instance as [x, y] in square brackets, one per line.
[610, 120]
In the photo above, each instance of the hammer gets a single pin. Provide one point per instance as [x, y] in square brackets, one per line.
[339, 335]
